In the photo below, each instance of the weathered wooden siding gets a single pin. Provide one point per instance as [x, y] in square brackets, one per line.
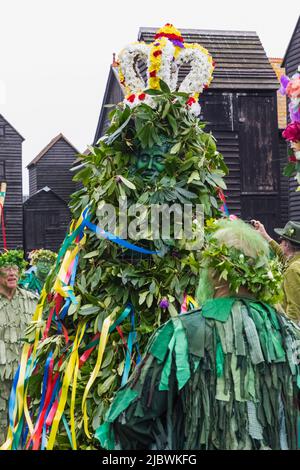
[32, 180]
[113, 95]
[53, 170]
[46, 220]
[284, 182]
[11, 156]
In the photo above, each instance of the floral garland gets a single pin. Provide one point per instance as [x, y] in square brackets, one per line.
[37, 255]
[163, 58]
[291, 88]
[262, 277]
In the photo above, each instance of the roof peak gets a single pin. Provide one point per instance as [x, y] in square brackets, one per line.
[48, 147]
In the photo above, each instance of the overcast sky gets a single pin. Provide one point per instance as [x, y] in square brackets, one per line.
[55, 54]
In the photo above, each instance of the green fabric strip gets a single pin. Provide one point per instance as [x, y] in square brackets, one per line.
[122, 400]
[183, 372]
[105, 435]
[159, 347]
[218, 309]
[164, 381]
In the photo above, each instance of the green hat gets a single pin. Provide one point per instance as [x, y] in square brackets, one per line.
[290, 232]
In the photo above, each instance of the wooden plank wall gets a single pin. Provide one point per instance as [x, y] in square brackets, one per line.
[11, 155]
[53, 170]
[46, 220]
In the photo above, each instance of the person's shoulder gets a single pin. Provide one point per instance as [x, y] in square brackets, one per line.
[27, 294]
[292, 270]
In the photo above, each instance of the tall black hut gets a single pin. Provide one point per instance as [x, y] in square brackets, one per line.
[11, 173]
[46, 212]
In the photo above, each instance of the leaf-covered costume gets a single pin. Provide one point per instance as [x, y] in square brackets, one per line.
[223, 377]
[97, 284]
[31, 282]
[15, 316]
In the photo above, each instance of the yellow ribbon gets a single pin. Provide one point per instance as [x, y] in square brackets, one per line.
[190, 299]
[73, 396]
[65, 387]
[102, 343]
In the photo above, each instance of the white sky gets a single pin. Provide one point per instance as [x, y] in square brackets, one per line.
[55, 54]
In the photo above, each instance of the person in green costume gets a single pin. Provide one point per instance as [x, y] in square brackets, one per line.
[289, 252]
[221, 377]
[16, 309]
[43, 261]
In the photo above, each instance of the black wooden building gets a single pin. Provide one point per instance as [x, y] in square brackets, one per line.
[46, 212]
[46, 220]
[51, 167]
[291, 62]
[240, 108]
[11, 173]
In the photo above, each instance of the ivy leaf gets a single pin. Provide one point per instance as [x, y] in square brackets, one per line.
[216, 180]
[289, 169]
[88, 309]
[186, 193]
[104, 387]
[127, 183]
[153, 92]
[92, 254]
[164, 87]
[175, 149]
[173, 123]
[110, 138]
[194, 177]
[149, 300]
[142, 297]
[172, 310]
[166, 109]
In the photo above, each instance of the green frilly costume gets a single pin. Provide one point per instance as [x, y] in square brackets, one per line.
[222, 377]
[15, 316]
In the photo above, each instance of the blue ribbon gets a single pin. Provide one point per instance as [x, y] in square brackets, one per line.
[67, 429]
[119, 241]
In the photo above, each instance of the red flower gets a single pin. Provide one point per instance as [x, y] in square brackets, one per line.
[131, 98]
[169, 36]
[157, 53]
[190, 101]
[292, 159]
[292, 132]
[153, 73]
[142, 96]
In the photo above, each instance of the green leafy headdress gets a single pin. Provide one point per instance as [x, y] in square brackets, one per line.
[13, 258]
[45, 255]
[237, 254]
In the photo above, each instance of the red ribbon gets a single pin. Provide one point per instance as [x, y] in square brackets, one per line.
[3, 227]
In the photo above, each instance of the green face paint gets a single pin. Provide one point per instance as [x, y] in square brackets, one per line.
[151, 161]
[42, 268]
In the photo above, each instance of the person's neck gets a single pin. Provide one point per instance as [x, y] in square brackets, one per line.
[8, 293]
[223, 291]
[293, 253]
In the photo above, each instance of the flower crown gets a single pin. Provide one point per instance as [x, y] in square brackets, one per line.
[37, 255]
[164, 57]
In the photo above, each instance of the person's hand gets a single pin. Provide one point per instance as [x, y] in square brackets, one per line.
[261, 229]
